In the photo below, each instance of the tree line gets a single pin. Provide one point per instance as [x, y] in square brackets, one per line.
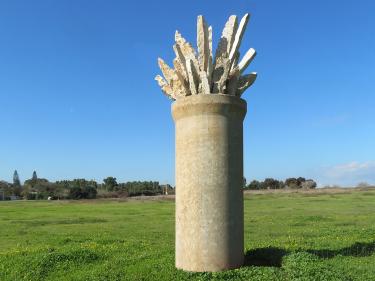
[289, 183]
[40, 188]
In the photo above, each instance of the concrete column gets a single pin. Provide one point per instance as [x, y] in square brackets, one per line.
[209, 179]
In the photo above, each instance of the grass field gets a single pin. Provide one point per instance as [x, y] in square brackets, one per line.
[287, 237]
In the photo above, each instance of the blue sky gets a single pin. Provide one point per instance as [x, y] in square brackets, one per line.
[78, 99]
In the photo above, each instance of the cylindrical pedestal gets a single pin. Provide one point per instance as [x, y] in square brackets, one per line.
[209, 182]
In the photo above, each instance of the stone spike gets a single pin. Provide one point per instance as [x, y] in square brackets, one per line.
[227, 38]
[178, 87]
[202, 43]
[179, 70]
[230, 31]
[222, 63]
[245, 82]
[167, 90]
[181, 59]
[247, 59]
[220, 75]
[204, 83]
[210, 66]
[238, 38]
[172, 78]
[193, 77]
[186, 48]
[235, 60]
[166, 70]
[234, 71]
[232, 82]
[188, 53]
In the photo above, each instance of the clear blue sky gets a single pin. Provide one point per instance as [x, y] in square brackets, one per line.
[78, 99]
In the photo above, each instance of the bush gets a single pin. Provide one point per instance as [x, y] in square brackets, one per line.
[84, 192]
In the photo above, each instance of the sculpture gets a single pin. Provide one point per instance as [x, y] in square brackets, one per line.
[199, 74]
[208, 112]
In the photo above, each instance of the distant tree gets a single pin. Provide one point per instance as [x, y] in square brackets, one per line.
[34, 177]
[5, 190]
[244, 183]
[89, 192]
[300, 180]
[362, 185]
[110, 183]
[16, 179]
[85, 192]
[270, 183]
[254, 185]
[292, 183]
[308, 184]
[75, 192]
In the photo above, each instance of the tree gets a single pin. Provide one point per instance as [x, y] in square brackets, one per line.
[110, 183]
[308, 184]
[300, 180]
[271, 183]
[254, 185]
[85, 192]
[88, 192]
[34, 177]
[292, 183]
[5, 190]
[16, 179]
[75, 193]
[362, 185]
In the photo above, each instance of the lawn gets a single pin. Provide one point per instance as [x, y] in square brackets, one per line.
[287, 236]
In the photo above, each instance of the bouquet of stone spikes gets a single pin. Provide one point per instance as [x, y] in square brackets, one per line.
[199, 74]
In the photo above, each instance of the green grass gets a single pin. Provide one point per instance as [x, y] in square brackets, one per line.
[287, 237]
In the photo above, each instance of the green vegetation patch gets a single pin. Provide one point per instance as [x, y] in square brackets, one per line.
[287, 237]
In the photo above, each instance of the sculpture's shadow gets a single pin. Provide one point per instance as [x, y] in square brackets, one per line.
[272, 256]
[265, 257]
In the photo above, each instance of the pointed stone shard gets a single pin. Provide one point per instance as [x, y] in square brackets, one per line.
[167, 90]
[173, 80]
[222, 63]
[233, 81]
[178, 87]
[235, 60]
[220, 75]
[193, 77]
[238, 37]
[166, 70]
[186, 49]
[181, 59]
[245, 82]
[189, 54]
[179, 70]
[203, 44]
[205, 86]
[229, 31]
[210, 66]
[247, 59]
[226, 39]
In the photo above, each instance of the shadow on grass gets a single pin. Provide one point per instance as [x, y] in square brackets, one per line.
[265, 257]
[358, 249]
[273, 256]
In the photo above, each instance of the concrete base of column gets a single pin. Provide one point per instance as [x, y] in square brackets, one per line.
[209, 182]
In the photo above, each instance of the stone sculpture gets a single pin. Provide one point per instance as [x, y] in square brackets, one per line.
[198, 73]
[208, 112]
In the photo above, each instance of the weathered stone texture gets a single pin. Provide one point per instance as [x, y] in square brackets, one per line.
[209, 178]
[199, 73]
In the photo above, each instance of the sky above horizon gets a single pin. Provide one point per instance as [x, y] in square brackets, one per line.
[78, 97]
